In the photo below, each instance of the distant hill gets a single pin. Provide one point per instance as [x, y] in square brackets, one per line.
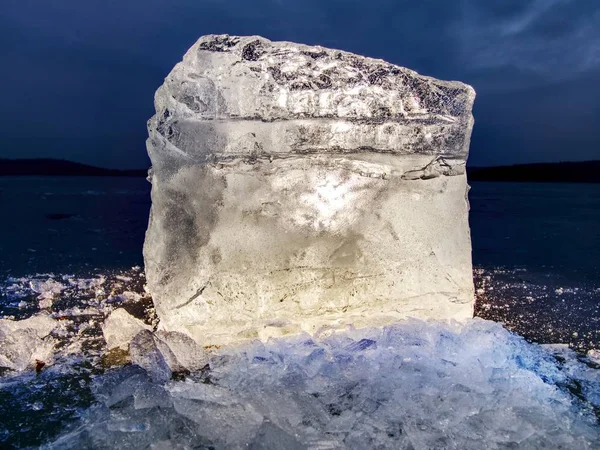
[59, 167]
[561, 172]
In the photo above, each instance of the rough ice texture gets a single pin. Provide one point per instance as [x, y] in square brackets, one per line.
[163, 353]
[297, 187]
[180, 351]
[412, 385]
[25, 342]
[120, 327]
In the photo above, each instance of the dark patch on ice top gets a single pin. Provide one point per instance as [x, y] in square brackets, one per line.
[218, 43]
[252, 51]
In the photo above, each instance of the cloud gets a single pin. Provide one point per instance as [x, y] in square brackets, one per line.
[551, 40]
[74, 68]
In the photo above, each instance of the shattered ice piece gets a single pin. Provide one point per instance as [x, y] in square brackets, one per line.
[205, 393]
[37, 406]
[26, 343]
[45, 303]
[217, 413]
[163, 353]
[150, 396]
[41, 325]
[120, 327]
[180, 351]
[87, 283]
[594, 356]
[127, 296]
[144, 353]
[76, 311]
[270, 436]
[48, 289]
[118, 385]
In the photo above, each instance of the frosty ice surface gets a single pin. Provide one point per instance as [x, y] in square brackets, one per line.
[298, 187]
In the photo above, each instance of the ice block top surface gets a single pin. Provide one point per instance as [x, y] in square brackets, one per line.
[231, 77]
[238, 95]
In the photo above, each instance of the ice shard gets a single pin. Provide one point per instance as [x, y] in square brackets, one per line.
[26, 343]
[299, 188]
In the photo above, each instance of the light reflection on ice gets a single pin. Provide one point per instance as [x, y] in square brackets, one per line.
[331, 196]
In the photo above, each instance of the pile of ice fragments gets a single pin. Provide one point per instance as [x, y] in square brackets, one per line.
[413, 385]
[26, 343]
[46, 318]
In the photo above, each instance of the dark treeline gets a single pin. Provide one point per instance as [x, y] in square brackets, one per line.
[59, 167]
[561, 172]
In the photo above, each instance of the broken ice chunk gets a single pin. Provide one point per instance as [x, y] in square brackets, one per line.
[150, 396]
[270, 436]
[180, 351]
[594, 355]
[218, 414]
[26, 343]
[46, 289]
[144, 353]
[120, 327]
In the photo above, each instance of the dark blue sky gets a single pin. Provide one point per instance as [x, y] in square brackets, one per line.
[78, 76]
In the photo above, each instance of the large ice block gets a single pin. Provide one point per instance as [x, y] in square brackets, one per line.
[300, 188]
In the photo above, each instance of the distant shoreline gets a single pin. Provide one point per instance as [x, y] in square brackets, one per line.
[560, 172]
[59, 167]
